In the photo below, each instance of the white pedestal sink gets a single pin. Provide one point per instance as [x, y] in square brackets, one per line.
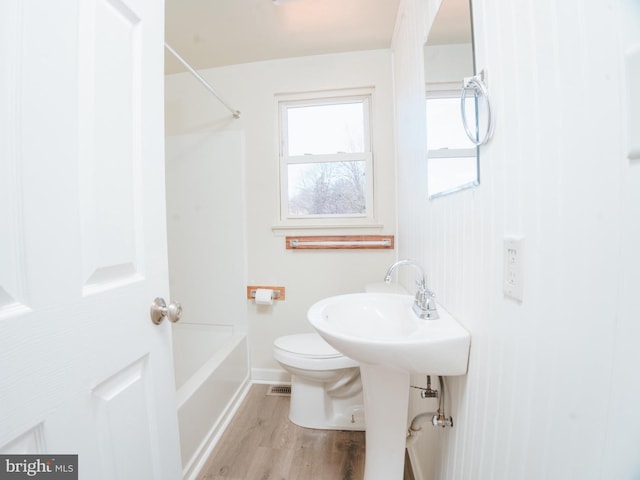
[381, 332]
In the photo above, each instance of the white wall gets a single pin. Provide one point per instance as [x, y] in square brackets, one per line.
[553, 387]
[307, 276]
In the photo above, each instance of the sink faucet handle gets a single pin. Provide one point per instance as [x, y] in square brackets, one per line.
[424, 305]
[424, 296]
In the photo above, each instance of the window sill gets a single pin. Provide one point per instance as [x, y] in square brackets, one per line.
[286, 229]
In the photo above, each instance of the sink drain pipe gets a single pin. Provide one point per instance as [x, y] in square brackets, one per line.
[438, 419]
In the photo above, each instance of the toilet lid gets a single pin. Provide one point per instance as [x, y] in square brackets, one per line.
[310, 345]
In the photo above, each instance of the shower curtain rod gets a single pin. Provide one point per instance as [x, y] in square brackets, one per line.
[236, 113]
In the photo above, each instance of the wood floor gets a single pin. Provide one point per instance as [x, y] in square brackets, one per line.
[262, 444]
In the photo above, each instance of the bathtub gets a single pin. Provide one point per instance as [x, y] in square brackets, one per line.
[212, 377]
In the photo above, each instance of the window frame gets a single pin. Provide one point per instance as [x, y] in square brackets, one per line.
[284, 102]
[450, 90]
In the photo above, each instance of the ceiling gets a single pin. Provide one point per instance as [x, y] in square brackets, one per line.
[214, 33]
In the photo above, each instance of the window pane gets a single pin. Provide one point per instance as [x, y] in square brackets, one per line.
[444, 124]
[448, 173]
[329, 188]
[323, 129]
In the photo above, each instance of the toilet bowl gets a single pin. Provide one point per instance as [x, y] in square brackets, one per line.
[326, 390]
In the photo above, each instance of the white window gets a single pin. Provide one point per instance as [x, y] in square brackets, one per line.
[452, 157]
[326, 166]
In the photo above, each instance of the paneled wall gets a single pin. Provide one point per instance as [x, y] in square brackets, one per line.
[553, 386]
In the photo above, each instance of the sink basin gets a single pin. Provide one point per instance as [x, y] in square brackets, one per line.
[381, 329]
[381, 332]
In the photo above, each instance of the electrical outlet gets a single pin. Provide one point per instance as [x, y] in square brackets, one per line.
[513, 260]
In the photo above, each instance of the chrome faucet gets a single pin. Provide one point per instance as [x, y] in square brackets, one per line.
[424, 305]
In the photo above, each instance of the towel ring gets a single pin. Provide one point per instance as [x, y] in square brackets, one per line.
[476, 84]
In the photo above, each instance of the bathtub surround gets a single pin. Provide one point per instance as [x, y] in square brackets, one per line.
[553, 387]
[207, 272]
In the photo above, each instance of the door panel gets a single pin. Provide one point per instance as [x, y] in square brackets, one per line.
[123, 402]
[82, 238]
[109, 176]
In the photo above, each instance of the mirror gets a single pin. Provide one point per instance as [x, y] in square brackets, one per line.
[453, 160]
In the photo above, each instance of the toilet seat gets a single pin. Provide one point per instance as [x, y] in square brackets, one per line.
[311, 352]
[309, 345]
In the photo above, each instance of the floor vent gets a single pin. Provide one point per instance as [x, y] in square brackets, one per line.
[282, 390]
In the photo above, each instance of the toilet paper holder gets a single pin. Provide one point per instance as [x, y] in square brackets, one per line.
[278, 292]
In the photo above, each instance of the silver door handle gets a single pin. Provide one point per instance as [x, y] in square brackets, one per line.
[159, 311]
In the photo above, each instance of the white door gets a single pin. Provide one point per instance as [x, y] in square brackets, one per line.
[83, 370]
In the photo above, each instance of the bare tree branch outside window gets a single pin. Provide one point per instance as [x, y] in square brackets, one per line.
[329, 188]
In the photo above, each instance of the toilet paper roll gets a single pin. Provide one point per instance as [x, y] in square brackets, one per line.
[264, 296]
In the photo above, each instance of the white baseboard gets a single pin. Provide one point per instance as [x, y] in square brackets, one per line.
[269, 375]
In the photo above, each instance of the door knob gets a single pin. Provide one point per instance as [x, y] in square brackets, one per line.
[159, 311]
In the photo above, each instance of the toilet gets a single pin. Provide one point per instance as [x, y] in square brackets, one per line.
[326, 390]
